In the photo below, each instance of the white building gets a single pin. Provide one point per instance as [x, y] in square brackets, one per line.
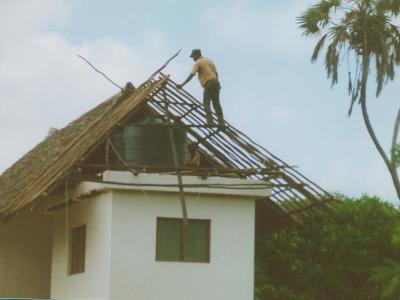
[82, 222]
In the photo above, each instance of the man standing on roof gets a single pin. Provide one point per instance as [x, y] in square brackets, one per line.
[208, 77]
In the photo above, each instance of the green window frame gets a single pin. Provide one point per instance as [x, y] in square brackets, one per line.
[173, 244]
[77, 250]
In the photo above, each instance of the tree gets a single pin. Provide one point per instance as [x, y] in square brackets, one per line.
[361, 32]
[329, 257]
[389, 273]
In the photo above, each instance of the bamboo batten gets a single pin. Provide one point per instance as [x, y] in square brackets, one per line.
[233, 150]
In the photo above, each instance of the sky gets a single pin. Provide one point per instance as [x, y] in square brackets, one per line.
[270, 89]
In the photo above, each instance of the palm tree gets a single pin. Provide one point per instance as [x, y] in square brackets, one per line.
[363, 34]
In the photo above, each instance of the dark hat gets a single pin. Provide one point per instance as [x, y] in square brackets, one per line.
[195, 52]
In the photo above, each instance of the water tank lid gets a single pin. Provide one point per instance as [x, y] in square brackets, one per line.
[150, 121]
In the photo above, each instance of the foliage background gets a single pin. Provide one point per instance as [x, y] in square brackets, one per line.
[332, 257]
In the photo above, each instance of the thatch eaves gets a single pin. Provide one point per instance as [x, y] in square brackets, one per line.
[32, 175]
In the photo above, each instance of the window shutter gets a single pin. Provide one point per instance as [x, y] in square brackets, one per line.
[196, 247]
[168, 239]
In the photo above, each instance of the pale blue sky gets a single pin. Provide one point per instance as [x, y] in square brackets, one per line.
[270, 90]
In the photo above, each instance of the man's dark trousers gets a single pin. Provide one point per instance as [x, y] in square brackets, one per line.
[211, 93]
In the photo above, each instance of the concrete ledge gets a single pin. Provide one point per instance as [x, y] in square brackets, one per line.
[116, 180]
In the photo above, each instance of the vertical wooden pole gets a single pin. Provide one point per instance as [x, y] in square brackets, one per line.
[176, 163]
[107, 153]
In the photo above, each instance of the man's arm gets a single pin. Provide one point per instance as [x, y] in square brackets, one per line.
[179, 86]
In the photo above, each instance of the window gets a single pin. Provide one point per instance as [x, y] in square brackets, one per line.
[173, 244]
[77, 250]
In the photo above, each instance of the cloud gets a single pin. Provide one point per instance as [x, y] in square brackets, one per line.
[371, 178]
[377, 180]
[280, 114]
[44, 84]
[256, 26]
[20, 18]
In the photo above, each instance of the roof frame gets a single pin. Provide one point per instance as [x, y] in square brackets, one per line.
[297, 194]
[230, 150]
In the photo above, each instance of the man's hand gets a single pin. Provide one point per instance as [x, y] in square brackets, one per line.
[179, 86]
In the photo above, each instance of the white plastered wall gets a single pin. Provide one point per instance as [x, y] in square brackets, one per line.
[94, 283]
[121, 242]
[25, 257]
[135, 274]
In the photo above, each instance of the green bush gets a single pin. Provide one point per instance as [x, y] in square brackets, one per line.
[332, 257]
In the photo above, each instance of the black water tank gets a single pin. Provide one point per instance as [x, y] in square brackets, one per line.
[148, 143]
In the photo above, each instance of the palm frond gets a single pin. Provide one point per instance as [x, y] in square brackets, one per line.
[388, 6]
[317, 17]
[354, 96]
[331, 61]
[364, 28]
[318, 48]
[380, 74]
[350, 85]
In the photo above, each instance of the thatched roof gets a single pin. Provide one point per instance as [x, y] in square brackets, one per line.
[41, 169]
